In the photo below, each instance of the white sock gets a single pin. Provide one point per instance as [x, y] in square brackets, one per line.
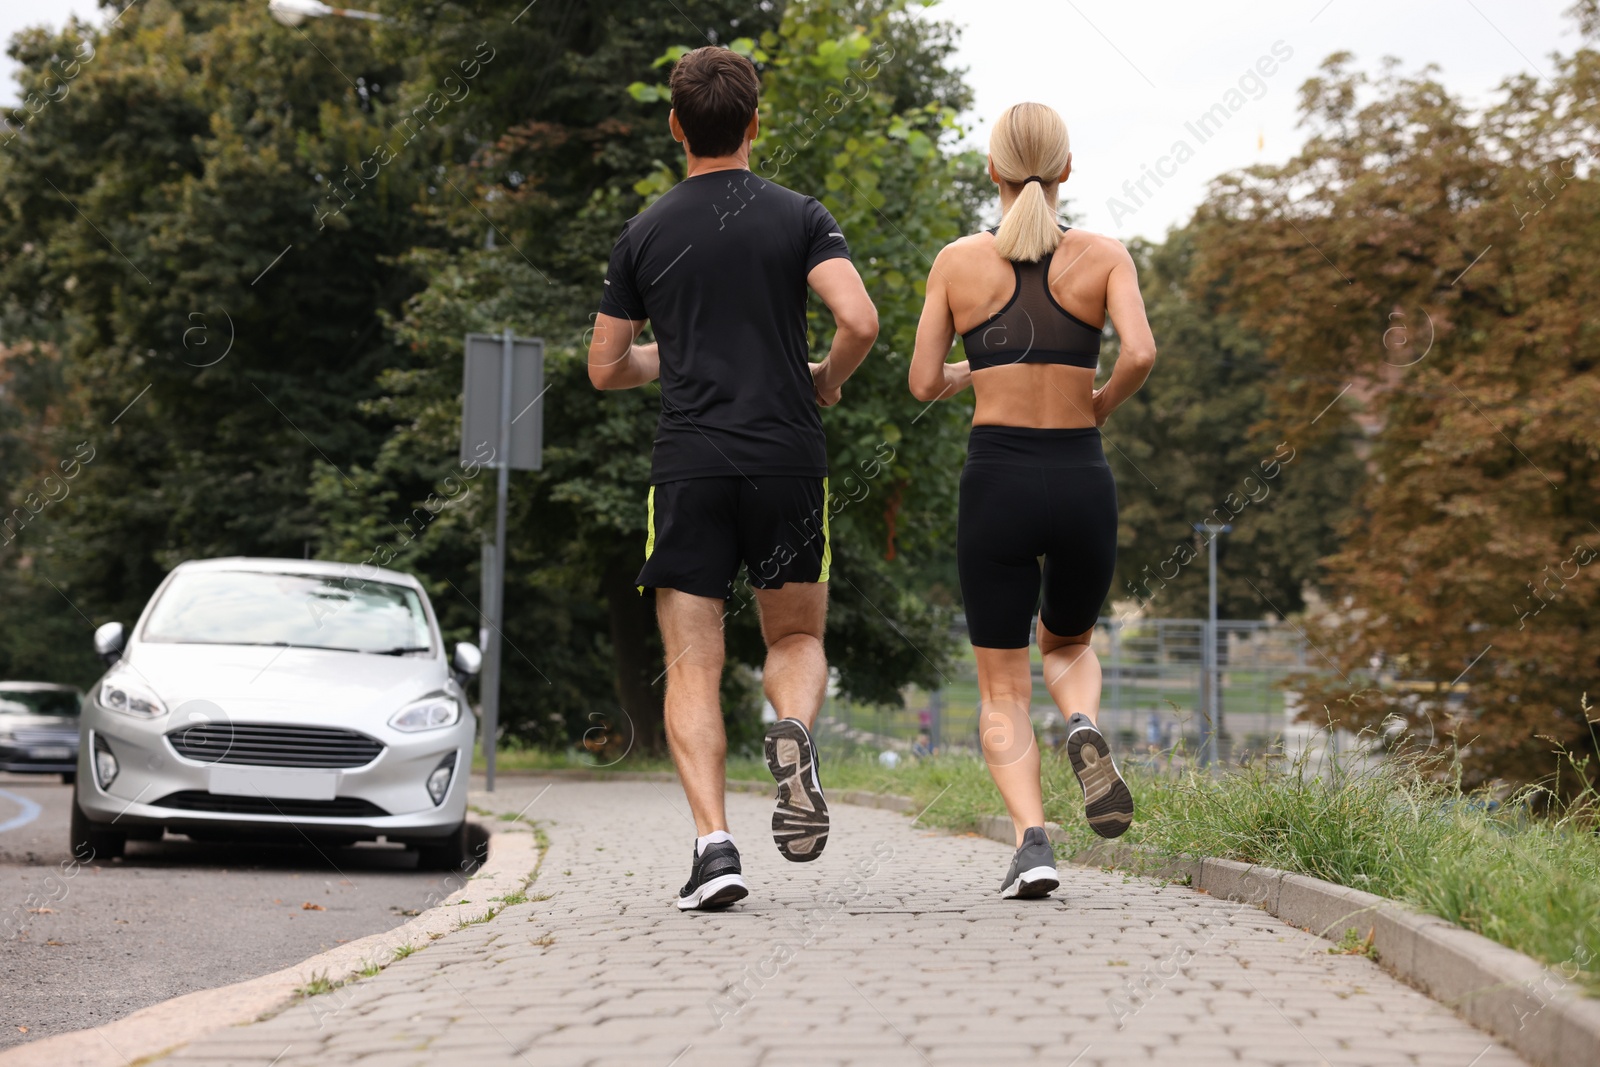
[701, 843]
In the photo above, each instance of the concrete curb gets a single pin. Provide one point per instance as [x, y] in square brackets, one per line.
[513, 856]
[1533, 1009]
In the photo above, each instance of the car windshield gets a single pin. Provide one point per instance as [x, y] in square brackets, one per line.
[297, 610]
[38, 701]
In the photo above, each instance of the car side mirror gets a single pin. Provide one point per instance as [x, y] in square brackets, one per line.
[109, 641]
[468, 660]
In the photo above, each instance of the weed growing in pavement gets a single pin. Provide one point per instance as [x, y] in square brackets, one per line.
[1353, 944]
[320, 983]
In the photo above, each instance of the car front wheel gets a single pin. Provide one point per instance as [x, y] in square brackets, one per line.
[91, 840]
[448, 853]
[69, 778]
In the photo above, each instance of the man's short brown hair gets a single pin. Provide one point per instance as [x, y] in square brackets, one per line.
[715, 91]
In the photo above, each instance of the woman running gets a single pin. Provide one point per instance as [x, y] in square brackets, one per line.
[1029, 299]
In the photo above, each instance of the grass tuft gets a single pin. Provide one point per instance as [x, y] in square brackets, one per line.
[320, 983]
[1353, 944]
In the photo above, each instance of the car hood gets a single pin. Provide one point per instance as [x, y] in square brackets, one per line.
[282, 683]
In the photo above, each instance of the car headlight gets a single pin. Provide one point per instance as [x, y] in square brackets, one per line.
[430, 713]
[130, 698]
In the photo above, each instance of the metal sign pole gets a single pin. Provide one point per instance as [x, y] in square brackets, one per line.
[491, 725]
[1212, 721]
[501, 373]
[489, 638]
[1211, 648]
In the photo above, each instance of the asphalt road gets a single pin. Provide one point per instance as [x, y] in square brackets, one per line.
[83, 945]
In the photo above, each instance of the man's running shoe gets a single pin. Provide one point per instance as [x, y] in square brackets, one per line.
[800, 825]
[715, 881]
[1033, 868]
[1106, 800]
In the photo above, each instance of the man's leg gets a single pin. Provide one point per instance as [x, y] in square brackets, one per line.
[691, 630]
[796, 680]
[796, 673]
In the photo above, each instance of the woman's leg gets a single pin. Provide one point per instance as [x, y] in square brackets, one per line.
[1005, 687]
[1071, 672]
[999, 538]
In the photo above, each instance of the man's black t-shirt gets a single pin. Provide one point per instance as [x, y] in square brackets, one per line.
[718, 265]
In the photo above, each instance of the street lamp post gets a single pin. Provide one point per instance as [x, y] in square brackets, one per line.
[1211, 720]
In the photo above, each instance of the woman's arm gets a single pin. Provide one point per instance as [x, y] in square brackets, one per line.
[931, 378]
[1137, 351]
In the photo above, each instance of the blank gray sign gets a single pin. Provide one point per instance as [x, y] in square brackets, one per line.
[480, 401]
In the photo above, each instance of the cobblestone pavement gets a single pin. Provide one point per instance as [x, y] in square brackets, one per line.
[894, 948]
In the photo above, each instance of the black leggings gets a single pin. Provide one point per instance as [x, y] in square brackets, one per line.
[1025, 494]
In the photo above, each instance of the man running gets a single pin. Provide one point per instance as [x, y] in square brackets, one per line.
[719, 268]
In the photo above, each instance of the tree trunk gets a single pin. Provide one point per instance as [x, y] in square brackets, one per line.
[637, 652]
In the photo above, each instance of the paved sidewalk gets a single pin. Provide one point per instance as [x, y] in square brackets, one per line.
[893, 949]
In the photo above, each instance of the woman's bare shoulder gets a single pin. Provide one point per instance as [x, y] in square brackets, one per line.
[1098, 244]
[971, 249]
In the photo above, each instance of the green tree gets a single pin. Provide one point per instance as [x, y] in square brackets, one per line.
[1196, 445]
[1437, 261]
[875, 153]
[215, 319]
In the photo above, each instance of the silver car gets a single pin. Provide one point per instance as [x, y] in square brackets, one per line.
[39, 728]
[292, 699]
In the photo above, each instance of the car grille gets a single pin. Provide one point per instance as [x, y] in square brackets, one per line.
[337, 808]
[46, 735]
[274, 745]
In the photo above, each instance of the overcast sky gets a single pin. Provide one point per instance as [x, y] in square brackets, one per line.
[1128, 77]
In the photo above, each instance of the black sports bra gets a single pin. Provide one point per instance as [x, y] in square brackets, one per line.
[1032, 327]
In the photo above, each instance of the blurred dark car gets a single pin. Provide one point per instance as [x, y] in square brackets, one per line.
[39, 728]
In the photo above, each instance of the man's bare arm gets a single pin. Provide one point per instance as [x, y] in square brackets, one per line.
[855, 319]
[615, 362]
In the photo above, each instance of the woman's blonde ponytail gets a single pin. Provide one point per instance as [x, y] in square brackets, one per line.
[1029, 147]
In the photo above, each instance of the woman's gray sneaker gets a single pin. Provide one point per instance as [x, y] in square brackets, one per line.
[1106, 800]
[800, 825]
[1033, 868]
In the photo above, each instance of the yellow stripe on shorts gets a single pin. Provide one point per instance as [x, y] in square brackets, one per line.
[827, 542]
[650, 526]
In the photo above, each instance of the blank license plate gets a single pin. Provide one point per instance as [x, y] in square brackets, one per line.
[57, 752]
[283, 784]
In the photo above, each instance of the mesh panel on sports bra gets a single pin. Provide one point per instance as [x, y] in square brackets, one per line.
[1032, 328]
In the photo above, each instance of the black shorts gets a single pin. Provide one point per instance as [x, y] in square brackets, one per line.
[1026, 494]
[701, 529]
